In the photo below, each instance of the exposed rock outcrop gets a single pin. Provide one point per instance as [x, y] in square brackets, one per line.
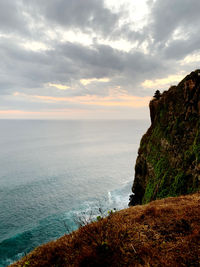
[168, 162]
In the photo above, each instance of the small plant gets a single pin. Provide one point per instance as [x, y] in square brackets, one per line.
[99, 218]
[110, 212]
[26, 264]
[157, 94]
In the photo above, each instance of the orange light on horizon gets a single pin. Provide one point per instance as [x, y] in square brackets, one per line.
[11, 113]
[116, 100]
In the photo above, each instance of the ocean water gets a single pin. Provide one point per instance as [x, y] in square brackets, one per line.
[52, 172]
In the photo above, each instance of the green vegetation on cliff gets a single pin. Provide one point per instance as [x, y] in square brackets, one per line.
[168, 162]
[164, 232]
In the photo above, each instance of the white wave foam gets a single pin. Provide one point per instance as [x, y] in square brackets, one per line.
[110, 198]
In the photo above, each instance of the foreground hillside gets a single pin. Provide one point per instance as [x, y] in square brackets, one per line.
[162, 233]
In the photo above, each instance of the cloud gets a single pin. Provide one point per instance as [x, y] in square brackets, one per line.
[173, 27]
[11, 17]
[178, 49]
[86, 15]
[164, 82]
[88, 81]
[58, 86]
[94, 53]
[73, 65]
[167, 16]
[95, 100]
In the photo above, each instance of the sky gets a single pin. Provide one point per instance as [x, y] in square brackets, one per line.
[93, 59]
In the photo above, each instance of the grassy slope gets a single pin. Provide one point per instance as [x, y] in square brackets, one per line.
[162, 233]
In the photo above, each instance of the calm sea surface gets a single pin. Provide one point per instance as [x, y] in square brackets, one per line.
[53, 171]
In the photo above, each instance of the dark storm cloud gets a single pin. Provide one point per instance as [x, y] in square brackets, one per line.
[89, 16]
[85, 15]
[127, 33]
[99, 61]
[169, 15]
[102, 57]
[178, 49]
[19, 67]
[66, 63]
[11, 17]
[169, 18]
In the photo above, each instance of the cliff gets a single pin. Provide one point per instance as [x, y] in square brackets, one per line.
[168, 162]
[162, 233]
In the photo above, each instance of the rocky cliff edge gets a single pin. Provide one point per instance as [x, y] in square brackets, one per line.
[168, 162]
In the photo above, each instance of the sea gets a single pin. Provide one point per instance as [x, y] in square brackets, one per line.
[55, 174]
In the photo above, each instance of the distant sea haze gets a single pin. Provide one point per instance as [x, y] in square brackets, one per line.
[53, 171]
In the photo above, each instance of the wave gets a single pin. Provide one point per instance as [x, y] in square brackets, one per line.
[57, 225]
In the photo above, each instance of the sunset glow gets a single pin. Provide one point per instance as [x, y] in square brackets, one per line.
[123, 100]
[108, 55]
[58, 86]
[160, 83]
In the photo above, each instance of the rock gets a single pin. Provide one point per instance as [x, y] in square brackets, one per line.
[170, 149]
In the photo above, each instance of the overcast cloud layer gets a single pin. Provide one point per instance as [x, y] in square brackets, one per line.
[93, 58]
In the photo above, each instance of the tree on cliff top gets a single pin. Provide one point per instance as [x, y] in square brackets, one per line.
[157, 94]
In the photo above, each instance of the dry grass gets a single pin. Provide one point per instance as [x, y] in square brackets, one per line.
[162, 233]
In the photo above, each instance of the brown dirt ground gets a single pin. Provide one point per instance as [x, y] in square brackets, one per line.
[162, 233]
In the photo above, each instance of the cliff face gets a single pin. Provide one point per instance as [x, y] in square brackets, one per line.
[168, 162]
[164, 232]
